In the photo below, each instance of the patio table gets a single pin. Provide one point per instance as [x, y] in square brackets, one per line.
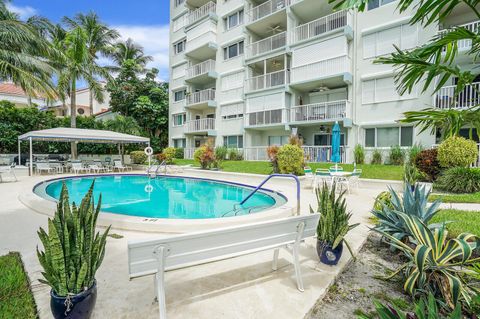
[339, 175]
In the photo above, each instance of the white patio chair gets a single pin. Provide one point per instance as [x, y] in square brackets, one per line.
[309, 175]
[10, 169]
[322, 175]
[77, 167]
[336, 168]
[355, 178]
[96, 169]
[103, 167]
[44, 167]
[117, 165]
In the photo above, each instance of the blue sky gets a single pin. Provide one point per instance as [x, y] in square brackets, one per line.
[145, 21]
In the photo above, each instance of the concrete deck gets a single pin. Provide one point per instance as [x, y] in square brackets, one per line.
[242, 287]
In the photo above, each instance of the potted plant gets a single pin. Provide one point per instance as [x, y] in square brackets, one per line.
[72, 254]
[333, 225]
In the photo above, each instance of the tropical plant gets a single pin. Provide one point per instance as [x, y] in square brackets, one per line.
[413, 203]
[359, 154]
[290, 159]
[234, 154]
[221, 153]
[169, 154]
[413, 152]
[427, 163]
[272, 154]
[72, 250]
[333, 224]
[410, 173]
[397, 155]
[435, 264]
[376, 157]
[459, 180]
[383, 199]
[123, 51]
[457, 151]
[138, 157]
[179, 153]
[205, 156]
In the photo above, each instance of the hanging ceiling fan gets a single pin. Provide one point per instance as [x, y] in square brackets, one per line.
[275, 29]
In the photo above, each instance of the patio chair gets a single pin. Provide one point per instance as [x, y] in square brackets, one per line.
[355, 178]
[96, 169]
[309, 175]
[100, 164]
[336, 168]
[10, 169]
[57, 166]
[322, 175]
[44, 167]
[77, 167]
[117, 165]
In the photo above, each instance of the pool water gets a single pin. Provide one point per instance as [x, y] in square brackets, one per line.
[165, 196]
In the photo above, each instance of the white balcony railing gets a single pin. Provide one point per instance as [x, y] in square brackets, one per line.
[267, 8]
[266, 117]
[267, 45]
[200, 68]
[197, 14]
[464, 44]
[317, 27]
[255, 153]
[188, 152]
[268, 80]
[199, 41]
[447, 97]
[201, 96]
[311, 153]
[324, 68]
[201, 125]
[318, 111]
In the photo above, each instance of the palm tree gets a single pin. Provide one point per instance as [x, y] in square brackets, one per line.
[123, 124]
[25, 55]
[129, 50]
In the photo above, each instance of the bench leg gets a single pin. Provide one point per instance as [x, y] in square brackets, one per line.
[160, 282]
[296, 263]
[275, 259]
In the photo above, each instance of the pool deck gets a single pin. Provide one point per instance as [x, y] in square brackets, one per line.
[241, 287]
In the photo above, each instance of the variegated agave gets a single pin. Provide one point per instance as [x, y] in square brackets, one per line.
[73, 252]
[436, 264]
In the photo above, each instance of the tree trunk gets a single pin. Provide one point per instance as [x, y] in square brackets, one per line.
[73, 115]
[90, 100]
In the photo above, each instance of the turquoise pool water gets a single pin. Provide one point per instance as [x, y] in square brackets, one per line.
[164, 196]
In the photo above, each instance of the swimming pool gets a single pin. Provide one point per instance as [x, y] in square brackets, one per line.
[165, 197]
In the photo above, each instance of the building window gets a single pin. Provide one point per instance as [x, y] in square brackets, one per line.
[179, 119]
[231, 111]
[234, 141]
[233, 20]
[179, 95]
[277, 140]
[179, 47]
[179, 142]
[178, 3]
[233, 50]
[383, 90]
[373, 4]
[80, 111]
[389, 136]
[382, 42]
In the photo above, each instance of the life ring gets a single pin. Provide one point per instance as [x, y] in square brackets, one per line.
[148, 188]
[148, 150]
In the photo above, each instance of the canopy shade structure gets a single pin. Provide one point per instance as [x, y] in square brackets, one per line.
[67, 134]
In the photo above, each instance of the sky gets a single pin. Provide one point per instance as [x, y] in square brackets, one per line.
[145, 21]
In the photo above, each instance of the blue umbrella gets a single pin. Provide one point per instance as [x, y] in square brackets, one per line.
[336, 143]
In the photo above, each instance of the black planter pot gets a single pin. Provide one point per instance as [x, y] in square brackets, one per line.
[80, 305]
[327, 255]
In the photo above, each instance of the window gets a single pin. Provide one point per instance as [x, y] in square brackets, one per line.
[234, 20]
[80, 111]
[179, 143]
[389, 136]
[383, 90]
[179, 95]
[373, 4]
[382, 42]
[179, 47]
[178, 3]
[233, 141]
[179, 119]
[277, 140]
[231, 111]
[233, 50]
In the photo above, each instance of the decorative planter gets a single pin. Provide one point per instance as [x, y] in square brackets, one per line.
[427, 186]
[78, 306]
[327, 255]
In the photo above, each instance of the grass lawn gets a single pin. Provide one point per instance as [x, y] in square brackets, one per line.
[16, 299]
[461, 221]
[369, 171]
[457, 198]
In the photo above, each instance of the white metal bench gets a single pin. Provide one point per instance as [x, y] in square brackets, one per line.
[154, 257]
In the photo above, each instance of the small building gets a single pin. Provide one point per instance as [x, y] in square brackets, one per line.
[15, 94]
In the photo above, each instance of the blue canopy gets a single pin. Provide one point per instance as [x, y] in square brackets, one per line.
[336, 143]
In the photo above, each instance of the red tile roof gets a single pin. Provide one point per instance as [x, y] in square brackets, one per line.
[11, 89]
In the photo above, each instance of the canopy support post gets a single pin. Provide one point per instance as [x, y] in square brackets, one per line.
[19, 154]
[31, 157]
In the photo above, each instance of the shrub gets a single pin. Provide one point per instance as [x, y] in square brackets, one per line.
[138, 157]
[397, 155]
[359, 154]
[384, 198]
[221, 153]
[413, 152]
[457, 151]
[272, 153]
[459, 180]
[376, 157]
[205, 156]
[169, 154]
[410, 173]
[290, 159]
[427, 163]
[234, 154]
[179, 153]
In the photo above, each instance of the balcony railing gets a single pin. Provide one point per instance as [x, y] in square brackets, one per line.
[200, 125]
[268, 80]
[267, 45]
[318, 111]
[201, 12]
[465, 43]
[266, 117]
[188, 152]
[311, 153]
[267, 8]
[200, 68]
[447, 97]
[320, 26]
[201, 97]
[332, 66]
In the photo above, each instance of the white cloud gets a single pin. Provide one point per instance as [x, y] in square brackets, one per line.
[24, 12]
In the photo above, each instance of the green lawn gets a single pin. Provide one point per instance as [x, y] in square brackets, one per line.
[16, 299]
[369, 171]
[461, 221]
[456, 198]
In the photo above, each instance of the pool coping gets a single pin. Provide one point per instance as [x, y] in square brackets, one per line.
[144, 224]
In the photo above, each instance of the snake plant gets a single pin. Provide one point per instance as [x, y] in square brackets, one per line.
[73, 251]
[435, 263]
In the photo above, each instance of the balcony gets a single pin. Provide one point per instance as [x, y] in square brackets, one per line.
[267, 8]
[312, 153]
[266, 117]
[465, 44]
[201, 41]
[201, 99]
[201, 72]
[268, 80]
[318, 71]
[447, 98]
[205, 125]
[267, 45]
[324, 25]
[318, 112]
[200, 13]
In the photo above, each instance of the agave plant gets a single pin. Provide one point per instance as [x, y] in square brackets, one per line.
[73, 252]
[436, 264]
[414, 203]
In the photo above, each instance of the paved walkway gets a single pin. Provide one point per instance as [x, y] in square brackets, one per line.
[243, 287]
[460, 206]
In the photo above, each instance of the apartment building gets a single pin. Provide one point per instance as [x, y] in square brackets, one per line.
[248, 74]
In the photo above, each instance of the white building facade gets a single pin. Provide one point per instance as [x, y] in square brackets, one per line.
[246, 74]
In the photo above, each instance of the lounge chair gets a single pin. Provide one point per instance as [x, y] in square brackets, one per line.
[44, 167]
[10, 169]
[96, 169]
[77, 167]
[117, 165]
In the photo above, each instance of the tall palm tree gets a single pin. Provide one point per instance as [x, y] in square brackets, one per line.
[129, 50]
[25, 55]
